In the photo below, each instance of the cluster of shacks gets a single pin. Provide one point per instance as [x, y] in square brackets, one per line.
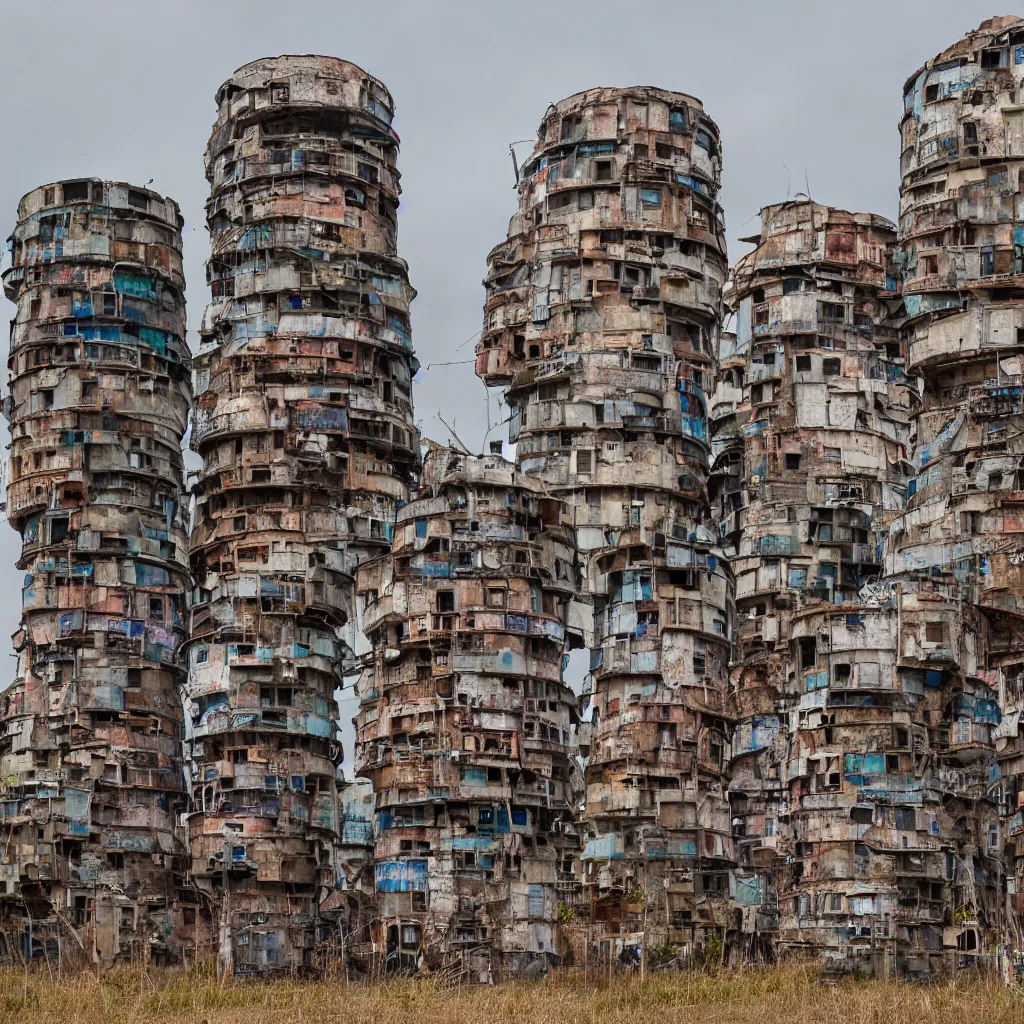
[781, 508]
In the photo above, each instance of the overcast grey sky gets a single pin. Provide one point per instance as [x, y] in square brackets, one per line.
[125, 91]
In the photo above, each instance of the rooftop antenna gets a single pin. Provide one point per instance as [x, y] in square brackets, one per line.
[512, 153]
[807, 185]
[789, 181]
[455, 437]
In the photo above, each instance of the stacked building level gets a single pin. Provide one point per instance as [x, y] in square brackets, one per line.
[601, 321]
[93, 866]
[955, 557]
[304, 423]
[466, 726]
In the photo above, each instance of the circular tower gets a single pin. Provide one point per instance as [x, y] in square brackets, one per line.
[98, 403]
[825, 428]
[601, 321]
[956, 553]
[304, 424]
[466, 726]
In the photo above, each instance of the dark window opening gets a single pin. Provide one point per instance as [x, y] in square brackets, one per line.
[76, 191]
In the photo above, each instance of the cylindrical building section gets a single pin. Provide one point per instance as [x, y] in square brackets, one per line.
[466, 726]
[602, 317]
[98, 403]
[304, 423]
[822, 414]
[956, 555]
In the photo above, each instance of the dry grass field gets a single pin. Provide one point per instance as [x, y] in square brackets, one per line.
[786, 996]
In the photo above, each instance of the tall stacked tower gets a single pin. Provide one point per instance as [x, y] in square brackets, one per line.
[304, 423]
[956, 555]
[98, 404]
[465, 725]
[827, 762]
[601, 320]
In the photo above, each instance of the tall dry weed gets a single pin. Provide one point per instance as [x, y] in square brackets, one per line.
[786, 995]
